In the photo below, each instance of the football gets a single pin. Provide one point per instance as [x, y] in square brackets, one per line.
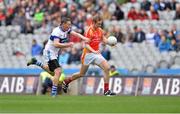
[112, 40]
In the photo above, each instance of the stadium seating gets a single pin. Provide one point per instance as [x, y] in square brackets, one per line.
[138, 57]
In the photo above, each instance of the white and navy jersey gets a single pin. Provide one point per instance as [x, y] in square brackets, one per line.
[57, 33]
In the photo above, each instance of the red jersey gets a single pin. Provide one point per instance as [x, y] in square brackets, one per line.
[95, 37]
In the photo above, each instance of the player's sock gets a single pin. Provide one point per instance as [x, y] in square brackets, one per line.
[54, 90]
[106, 87]
[68, 80]
[38, 63]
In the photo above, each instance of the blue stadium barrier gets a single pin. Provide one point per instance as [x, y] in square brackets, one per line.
[168, 71]
[21, 71]
[24, 71]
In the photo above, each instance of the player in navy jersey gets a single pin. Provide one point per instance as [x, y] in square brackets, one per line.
[58, 39]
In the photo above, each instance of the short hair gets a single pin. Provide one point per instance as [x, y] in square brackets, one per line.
[112, 66]
[65, 19]
[97, 18]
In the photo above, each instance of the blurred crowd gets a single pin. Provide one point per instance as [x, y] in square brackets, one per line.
[46, 14]
[41, 16]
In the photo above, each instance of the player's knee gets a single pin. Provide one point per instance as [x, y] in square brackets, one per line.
[81, 74]
[106, 69]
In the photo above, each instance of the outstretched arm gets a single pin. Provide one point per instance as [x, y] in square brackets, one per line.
[79, 36]
[105, 40]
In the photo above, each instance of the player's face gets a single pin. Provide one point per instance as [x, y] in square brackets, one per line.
[98, 23]
[66, 26]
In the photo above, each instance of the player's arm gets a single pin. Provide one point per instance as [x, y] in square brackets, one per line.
[79, 36]
[61, 45]
[104, 39]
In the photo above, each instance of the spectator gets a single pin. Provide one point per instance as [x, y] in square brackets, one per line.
[118, 34]
[171, 36]
[29, 10]
[112, 7]
[156, 5]
[178, 42]
[139, 35]
[38, 16]
[2, 17]
[178, 37]
[53, 8]
[174, 29]
[157, 38]
[106, 15]
[145, 4]
[150, 36]
[153, 14]
[74, 57]
[20, 20]
[132, 14]
[177, 14]
[164, 45]
[113, 71]
[173, 45]
[36, 49]
[106, 53]
[173, 4]
[143, 15]
[119, 14]
[28, 28]
[162, 5]
[9, 16]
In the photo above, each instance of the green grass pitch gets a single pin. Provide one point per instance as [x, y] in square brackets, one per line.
[88, 104]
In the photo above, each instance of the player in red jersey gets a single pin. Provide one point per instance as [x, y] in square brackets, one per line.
[91, 54]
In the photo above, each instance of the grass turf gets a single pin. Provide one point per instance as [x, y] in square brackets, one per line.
[89, 104]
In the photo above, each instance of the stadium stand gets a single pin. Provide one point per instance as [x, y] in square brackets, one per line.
[19, 26]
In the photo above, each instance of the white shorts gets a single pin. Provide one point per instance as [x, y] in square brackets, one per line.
[49, 55]
[90, 58]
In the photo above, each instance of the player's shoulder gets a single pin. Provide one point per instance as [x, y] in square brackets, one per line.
[56, 29]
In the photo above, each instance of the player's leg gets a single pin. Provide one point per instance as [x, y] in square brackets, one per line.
[103, 64]
[55, 67]
[86, 59]
[34, 61]
[75, 76]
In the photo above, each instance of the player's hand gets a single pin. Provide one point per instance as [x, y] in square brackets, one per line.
[70, 44]
[112, 45]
